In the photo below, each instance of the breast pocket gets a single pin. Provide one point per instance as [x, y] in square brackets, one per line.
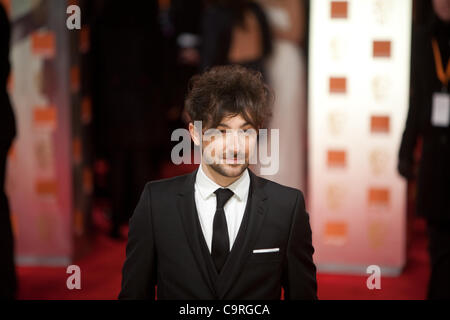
[265, 255]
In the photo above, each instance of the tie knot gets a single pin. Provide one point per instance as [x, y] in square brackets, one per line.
[223, 195]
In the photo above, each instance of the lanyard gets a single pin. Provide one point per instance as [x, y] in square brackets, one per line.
[443, 76]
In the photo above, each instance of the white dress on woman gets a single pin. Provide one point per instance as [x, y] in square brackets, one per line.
[285, 70]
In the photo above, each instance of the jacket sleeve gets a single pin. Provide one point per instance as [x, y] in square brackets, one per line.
[299, 271]
[139, 270]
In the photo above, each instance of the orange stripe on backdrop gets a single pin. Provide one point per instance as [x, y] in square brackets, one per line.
[336, 229]
[86, 110]
[338, 85]
[88, 180]
[336, 158]
[12, 152]
[379, 196]
[380, 124]
[75, 79]
[77, 150]
[46, 188]
[78, 221]
[339, 9]
[164, 4]
[43, 44]
[381, 49]
[45, 117]
[10, 83]
[85, 35]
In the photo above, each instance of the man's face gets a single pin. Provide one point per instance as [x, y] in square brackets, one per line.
[442, 9]
[227, 148]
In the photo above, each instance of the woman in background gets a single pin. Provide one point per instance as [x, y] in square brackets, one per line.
[286, 74]
[235, 32]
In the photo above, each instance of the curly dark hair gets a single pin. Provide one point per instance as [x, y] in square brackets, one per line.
[229, 91]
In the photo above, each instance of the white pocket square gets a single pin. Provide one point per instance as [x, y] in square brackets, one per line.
[266, 250]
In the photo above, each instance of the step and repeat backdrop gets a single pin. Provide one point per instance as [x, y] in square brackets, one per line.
[359, 73]
[49, 176]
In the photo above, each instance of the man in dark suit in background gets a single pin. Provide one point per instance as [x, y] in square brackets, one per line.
[221, 232]
[428, 119]
[7, 133]
[127, 43]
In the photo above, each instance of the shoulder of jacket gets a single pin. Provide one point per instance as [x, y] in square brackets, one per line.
[272, 187]
[167, 185]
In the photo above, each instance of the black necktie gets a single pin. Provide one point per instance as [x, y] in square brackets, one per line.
[220, 241]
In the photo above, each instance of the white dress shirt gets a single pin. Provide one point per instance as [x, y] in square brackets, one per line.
[205, 201]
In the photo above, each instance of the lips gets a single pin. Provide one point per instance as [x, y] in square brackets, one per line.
[234, 160]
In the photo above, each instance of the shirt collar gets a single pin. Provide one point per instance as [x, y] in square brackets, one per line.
[206, 186]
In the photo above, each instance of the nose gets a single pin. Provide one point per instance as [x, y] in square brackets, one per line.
[234, 141]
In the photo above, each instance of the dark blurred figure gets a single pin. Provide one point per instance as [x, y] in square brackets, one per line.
[235, 32]
[7, 134]
[182, 54]
[430, 73]
[131, 124]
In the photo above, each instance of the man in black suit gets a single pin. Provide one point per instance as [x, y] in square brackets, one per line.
[428, 118]
[7, 133]
[221, 232]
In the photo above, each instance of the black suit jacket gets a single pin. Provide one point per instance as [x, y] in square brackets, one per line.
[166, 247]
[433, 181]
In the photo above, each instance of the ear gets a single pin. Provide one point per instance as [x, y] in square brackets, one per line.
[195, 135]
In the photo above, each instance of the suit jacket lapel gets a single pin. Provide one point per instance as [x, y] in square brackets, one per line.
[186, 208]
[246, 239]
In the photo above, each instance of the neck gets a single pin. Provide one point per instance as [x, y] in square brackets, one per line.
[221, 180]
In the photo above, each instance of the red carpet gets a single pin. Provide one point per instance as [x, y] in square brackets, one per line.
[101, 273]
[101, 276]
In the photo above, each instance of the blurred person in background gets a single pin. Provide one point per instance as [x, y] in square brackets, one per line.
[7, 134]
[286, 72]
[131, 124]
[428, 120]
[235, 32]
[183, 61]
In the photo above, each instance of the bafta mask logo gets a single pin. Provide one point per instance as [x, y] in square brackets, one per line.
[377, 233]
[382, 11]
[335, 196]
[336, 122]
[338, 48]
[44, 155]
[378, 159]
[380, 88]
[46, 226]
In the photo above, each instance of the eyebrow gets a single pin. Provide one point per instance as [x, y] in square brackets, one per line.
[226, 126]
